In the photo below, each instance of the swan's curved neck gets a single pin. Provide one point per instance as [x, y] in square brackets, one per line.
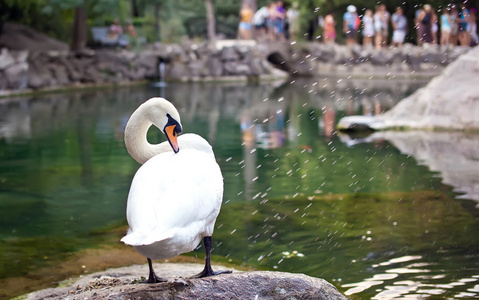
[135, 138]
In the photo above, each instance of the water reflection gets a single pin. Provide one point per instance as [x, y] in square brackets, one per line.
[453, 155]
[421, 285]
[269, 107]
[296, 198]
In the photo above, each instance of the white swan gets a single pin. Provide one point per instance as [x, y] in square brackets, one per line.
[176, 195]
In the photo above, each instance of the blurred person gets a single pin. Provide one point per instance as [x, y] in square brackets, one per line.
[292, 19]
[425, 19]
[446, 26]
[259, 20]
[434, 27]
[280, 18]
[271, 21]
[351, 24]
[399, 23]
[454, 25]
[245, 26]
[381, 26]
[131, 35]
[473, 27]
[329, 29]
[368, 28]
[464, 36]
[417, 26]
[115, 30]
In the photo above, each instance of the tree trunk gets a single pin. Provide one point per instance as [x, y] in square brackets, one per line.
[135, 13]
[157, 20]
[79, 29]
[210, 17]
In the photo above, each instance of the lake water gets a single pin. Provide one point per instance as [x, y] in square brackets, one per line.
[364, 214]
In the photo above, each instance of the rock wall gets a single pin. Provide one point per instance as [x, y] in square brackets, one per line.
[405, 61]
[23, 70]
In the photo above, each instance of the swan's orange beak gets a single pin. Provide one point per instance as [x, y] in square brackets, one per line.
[171, 133]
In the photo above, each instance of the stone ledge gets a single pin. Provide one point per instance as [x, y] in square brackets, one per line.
[121, 283]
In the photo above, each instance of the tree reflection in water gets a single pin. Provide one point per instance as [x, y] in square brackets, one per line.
[291, 185]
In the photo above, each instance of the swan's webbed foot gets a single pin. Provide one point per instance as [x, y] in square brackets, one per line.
[152, 277]
[208, 271]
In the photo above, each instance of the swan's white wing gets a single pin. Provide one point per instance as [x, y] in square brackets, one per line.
[174, 194]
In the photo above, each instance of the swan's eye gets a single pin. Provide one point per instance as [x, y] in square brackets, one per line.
[172, 122]
[177, 130]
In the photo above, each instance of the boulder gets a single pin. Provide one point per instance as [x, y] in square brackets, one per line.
[17, 76]
[39, 76]
[214, 66]
[449, 101]
[73, 73]
[149, 63]
[122, 284]
[235, 68]
[20, 37]
[177, 71]
[3, 83]
[229, 54]
[6, 59]
[60, 74]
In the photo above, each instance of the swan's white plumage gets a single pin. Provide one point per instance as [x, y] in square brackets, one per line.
[174, 199]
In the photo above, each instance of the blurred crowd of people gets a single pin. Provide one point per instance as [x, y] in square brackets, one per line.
[124, 36]
[450, 25]
[273, 22]
[454, 26]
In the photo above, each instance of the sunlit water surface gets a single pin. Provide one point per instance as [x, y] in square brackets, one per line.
[297, 198]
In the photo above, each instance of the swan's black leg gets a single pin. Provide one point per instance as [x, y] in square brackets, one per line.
[208, 271]
[152, 277]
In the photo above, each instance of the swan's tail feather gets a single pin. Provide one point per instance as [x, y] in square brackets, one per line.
[141, 238]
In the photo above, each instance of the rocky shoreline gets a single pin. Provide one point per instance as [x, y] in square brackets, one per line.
[24, 71]
[123, 283]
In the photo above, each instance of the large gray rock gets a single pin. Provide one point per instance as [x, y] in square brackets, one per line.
[449, 101]
[60, 74]
[17, 76]
[214, 66]
[118, 284]
[229, 54]
[20, 37]
[6, 59]
[39, 76]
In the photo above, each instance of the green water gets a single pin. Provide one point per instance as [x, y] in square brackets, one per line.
[367, 218]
